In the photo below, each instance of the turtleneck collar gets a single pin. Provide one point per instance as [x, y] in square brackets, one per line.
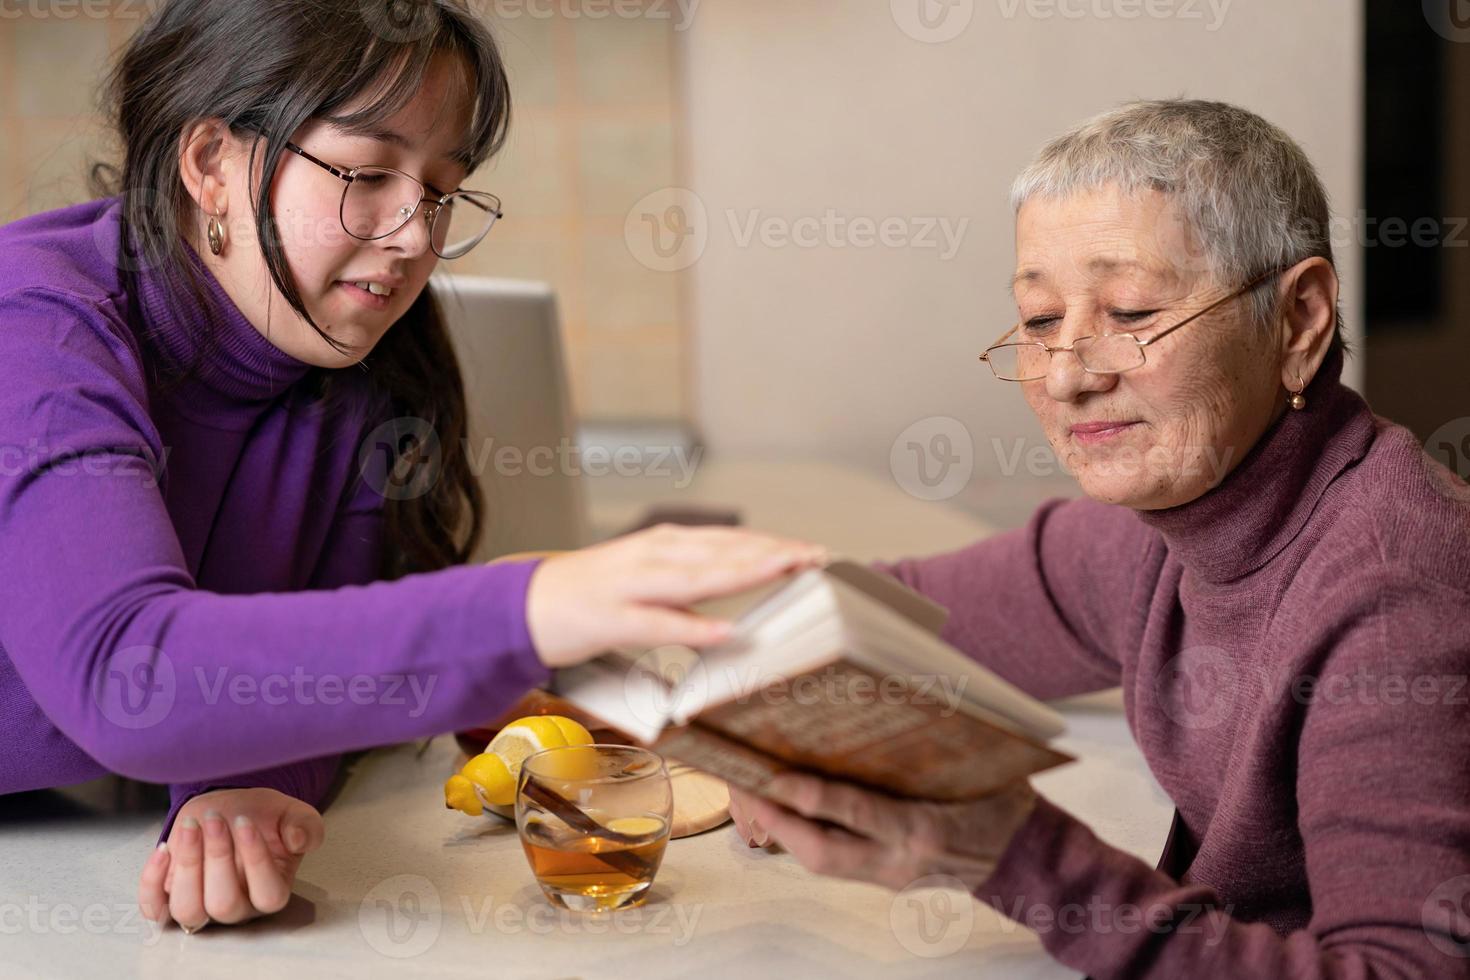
[1263, 504]
[237, 367]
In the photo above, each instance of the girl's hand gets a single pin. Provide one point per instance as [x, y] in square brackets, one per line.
[231, 856]
[633, 591]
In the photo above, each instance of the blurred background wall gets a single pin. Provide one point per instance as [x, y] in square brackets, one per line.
[783, 227]
[921, 111]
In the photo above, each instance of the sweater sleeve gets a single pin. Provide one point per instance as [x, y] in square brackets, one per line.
[159, 680]
[1046, 606]
[351, 555]
[1382, 787]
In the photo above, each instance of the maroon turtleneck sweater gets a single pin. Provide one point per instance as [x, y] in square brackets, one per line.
[1293, 649]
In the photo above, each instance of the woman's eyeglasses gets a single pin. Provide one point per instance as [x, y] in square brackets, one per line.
[1103, 354]
[378, 201]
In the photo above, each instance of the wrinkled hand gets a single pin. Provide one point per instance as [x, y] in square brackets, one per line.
[634, 591]
[878, 838]
[231, 856]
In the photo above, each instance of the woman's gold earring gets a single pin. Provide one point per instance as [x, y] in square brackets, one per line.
[1298, 400]
[216, 235]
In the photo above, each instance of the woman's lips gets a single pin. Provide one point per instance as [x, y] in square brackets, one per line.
[1091, 433]
[370, 300]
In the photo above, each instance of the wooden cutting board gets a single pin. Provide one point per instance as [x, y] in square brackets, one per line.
[701, 801]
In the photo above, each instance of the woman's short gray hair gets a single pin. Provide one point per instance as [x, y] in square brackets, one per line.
[1252, 200]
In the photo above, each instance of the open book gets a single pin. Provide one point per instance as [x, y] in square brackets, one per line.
[839, 671]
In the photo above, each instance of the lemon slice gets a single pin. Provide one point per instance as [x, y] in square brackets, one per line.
[489, 779]
[571, 730]
[636, 826]
[526, 737]
[492, 777]
[459, 794]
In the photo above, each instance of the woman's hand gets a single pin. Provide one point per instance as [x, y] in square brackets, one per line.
[231, 856]
[880, 839]
[750, 830]
[634, 591]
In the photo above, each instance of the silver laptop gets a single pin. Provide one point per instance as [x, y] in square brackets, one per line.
[522, 436]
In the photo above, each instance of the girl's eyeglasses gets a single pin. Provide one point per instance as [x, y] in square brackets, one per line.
[378, 201]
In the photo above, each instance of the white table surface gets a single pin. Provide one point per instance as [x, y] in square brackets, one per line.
[403, 887]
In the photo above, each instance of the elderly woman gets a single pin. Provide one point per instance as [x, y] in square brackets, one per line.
[1276, 577]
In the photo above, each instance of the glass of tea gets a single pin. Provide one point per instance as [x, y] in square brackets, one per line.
[594, 821]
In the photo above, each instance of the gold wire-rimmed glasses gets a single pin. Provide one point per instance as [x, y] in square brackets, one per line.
[378, 201]
[1113, 353]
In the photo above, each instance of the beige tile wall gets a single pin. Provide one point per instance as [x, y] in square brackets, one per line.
[593, 133]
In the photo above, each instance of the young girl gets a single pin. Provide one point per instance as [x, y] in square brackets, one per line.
[204, 586]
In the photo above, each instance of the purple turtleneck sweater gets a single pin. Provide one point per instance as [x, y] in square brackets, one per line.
[189, 590]
[1293, 649]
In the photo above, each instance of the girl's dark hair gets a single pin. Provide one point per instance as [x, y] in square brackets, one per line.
[265, 67]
